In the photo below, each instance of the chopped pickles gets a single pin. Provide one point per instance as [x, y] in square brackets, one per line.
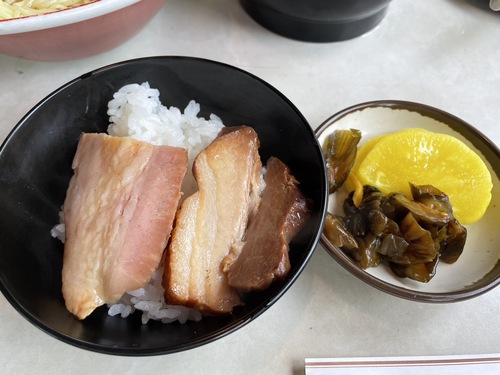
[410, 235]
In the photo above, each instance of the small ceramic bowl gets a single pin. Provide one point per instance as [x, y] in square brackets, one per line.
[77, 32]
[478, 268]
[35, 169]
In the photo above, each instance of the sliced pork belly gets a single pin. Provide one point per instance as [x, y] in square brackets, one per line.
[210, 223]
[119, 210]
[282, 212]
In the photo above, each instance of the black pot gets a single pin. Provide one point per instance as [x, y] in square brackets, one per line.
[317, 20]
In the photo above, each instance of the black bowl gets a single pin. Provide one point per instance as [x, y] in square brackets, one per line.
[317, 20]
[35, 165]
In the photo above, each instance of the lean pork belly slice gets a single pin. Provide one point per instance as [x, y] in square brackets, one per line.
[282, 212]
[119, 210]
[211, 222]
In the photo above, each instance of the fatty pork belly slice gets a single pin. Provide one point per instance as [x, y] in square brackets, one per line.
[118, 211]
[211, 222]
[282, 213]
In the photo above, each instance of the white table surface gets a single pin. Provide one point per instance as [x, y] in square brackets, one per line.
[445, 53]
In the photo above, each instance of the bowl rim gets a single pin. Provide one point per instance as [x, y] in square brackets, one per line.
[233, 326]
[62, 17]
[346, 262]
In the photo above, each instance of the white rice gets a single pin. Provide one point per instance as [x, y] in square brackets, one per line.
[149, 299]
[59, 230]
[136, 111]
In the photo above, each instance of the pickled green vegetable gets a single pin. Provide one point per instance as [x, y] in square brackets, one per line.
[411, 236]
[339, 150]
[337, 233]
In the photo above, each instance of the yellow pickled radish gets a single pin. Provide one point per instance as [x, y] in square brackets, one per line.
[352, 182]
[421, 157]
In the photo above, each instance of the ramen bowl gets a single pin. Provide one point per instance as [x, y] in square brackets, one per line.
[76, 32]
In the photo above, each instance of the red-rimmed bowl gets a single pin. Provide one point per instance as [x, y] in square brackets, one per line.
[76, 32]
[478, 268]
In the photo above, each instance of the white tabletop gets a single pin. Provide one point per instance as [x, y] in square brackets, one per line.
[444, 53]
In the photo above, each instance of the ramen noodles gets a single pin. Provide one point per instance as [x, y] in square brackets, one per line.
[23, 8]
